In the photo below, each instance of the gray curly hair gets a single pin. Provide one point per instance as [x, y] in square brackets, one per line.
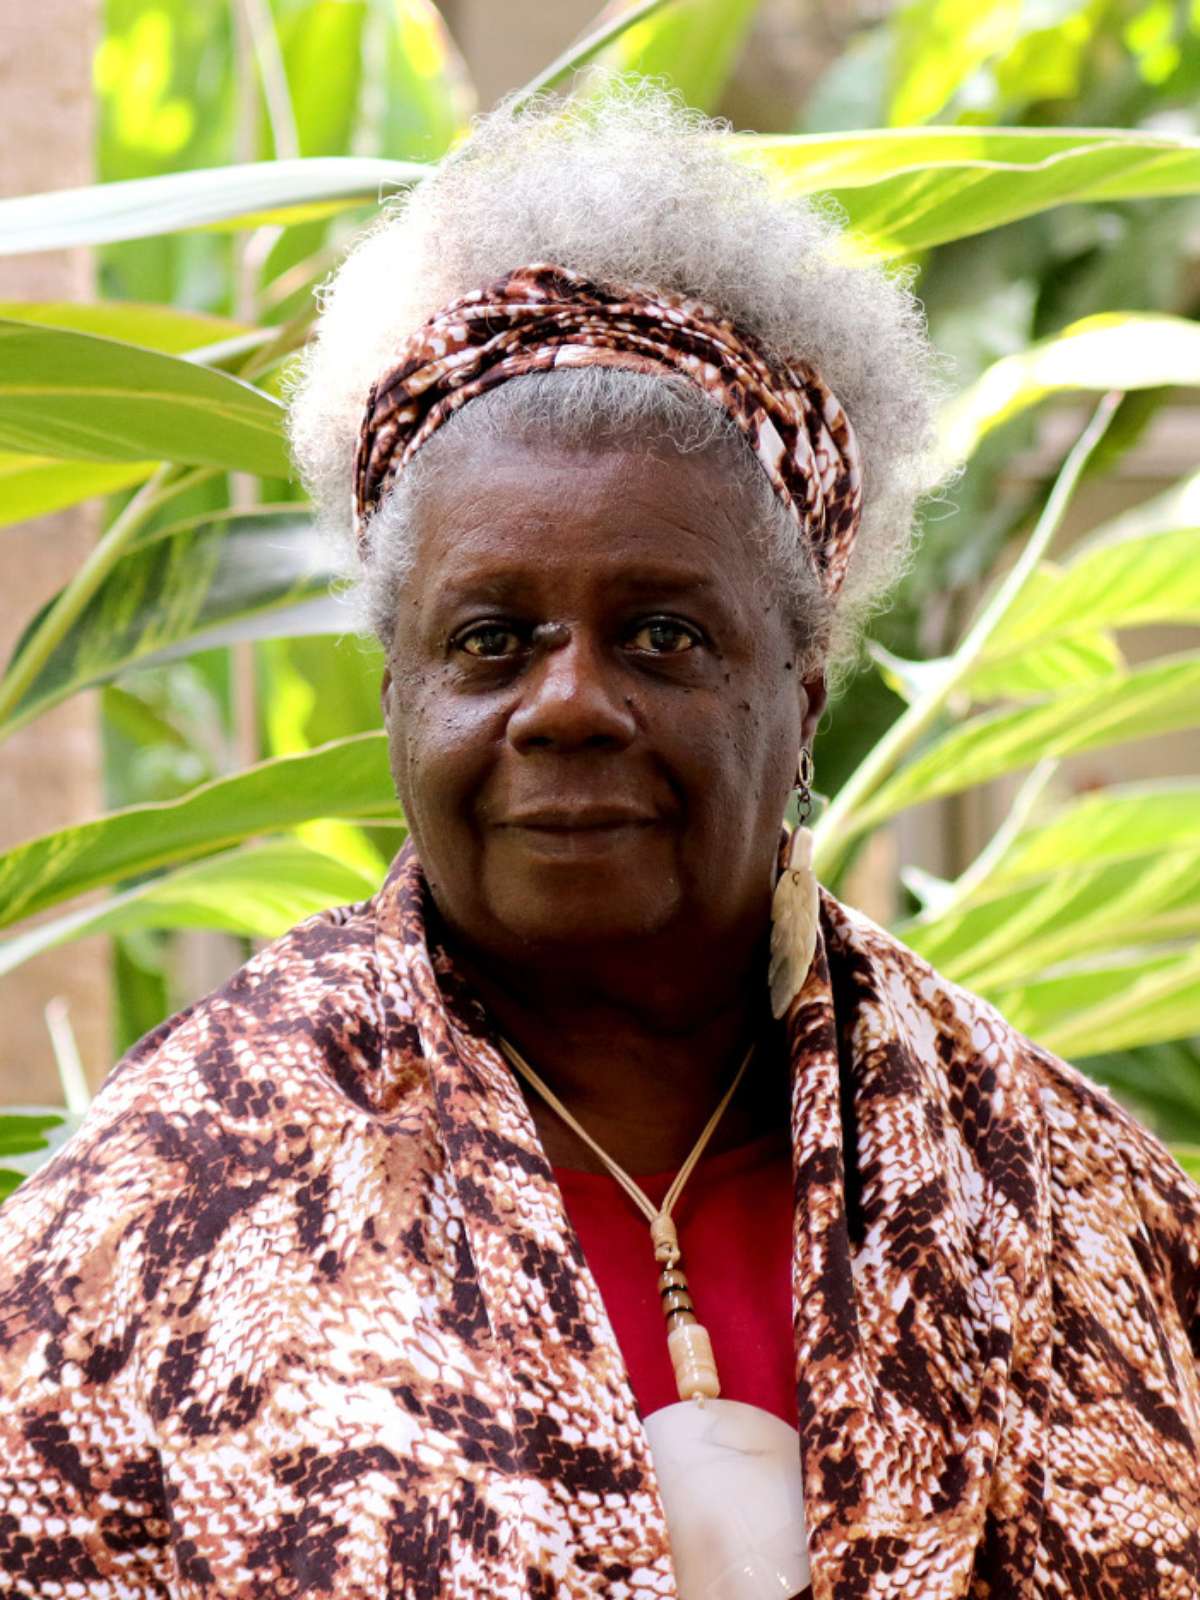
[627, 189]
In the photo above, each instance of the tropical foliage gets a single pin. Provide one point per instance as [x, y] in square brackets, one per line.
[1037, 168]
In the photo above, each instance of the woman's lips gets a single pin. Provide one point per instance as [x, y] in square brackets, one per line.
[583, 819]
[572, 833]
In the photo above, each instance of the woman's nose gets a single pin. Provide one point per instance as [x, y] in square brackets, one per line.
[572, 699]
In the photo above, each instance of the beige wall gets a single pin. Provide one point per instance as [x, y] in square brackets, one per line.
[506, 42]
[49, 773]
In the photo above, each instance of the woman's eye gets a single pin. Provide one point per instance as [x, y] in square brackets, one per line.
[489, 640]
[663, 636]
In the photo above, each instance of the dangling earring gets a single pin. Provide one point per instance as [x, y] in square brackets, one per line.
[795, 906]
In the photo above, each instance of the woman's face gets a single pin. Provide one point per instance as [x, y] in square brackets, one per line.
[594, 706]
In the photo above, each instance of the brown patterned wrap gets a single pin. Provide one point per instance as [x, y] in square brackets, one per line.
[299, 1311]
[540, 317]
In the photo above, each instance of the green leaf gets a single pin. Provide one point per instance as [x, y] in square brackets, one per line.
[938, 44]
[1019, 934]
[153, 327]
[694, 45]
[29, 1136]
[903, 190]
[1162, 697]
[1114, 583]
[32, 486]
[249, 195]
[257, 892]
[429, 99]
[1116, 824]
[132, 719]
[1188, 1157]
[1045, 668]
[1113, 1005]
[1117, 350]
[225, 580]
[78, 396]
[348, 778]
[1032, 667]
[22, 1133]
[321, 45]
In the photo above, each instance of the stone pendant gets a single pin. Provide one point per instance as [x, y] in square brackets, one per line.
[730, 1482]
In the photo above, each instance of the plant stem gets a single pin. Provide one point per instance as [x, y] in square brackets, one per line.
[73, 600]
[842, 821]
[260, 25]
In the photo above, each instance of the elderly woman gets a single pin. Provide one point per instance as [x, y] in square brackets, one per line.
[353, 1283]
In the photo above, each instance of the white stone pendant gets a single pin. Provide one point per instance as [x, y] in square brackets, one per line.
[730, 1481]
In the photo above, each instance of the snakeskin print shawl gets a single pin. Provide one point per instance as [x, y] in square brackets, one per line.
[299, 1312]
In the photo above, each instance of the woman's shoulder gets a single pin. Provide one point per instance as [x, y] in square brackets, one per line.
[1098, 1155]
[307, 1001]
[297, 1039]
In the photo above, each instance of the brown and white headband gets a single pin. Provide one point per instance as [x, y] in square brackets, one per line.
[541, 317]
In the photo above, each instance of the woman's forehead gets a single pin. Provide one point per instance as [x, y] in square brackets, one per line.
[649, 519]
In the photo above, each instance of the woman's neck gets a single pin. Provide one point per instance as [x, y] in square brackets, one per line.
[643, 1064]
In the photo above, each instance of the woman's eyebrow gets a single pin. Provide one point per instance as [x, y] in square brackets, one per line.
[487, 588]
[639, 581]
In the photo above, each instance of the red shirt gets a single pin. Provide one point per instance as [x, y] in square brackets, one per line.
[734, 1221]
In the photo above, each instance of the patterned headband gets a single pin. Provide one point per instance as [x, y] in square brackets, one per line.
[541, 317]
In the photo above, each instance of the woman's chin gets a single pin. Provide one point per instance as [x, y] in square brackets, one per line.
[584, 888]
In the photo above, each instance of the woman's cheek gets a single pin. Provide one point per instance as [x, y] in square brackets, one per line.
[449, 745]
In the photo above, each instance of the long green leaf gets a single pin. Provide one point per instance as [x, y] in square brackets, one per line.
[78, 396]
[249, 195]
[29, 1136]
[153, 327]
[694, 45]
[1045, 667]
[1036, 668]
[901, 189]
[1163, 697]
[348, 778]
[180, 593]
[321, 46]
[1123, 583]
[905, 189]
[259, 892]
[1118, 350]
[1117, 824]
[1111, 1006]
[32, 486]
[1055, 635]
[23, 1133]
[1018, 935]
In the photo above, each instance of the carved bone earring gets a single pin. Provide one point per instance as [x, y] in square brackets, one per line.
[795, 905]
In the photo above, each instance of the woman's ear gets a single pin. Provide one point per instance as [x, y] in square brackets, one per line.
[815, 698]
